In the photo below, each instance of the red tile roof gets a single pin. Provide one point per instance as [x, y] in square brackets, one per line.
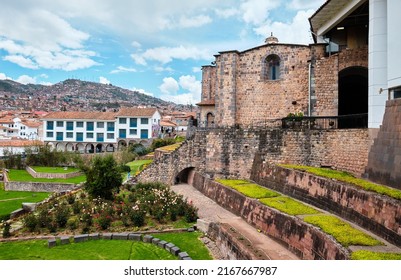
[136, 112]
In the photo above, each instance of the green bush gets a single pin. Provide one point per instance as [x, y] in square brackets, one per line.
[44, 218]
[157, 143]
[103, 221]
[70, 198]
[137, 217]
[72, 223]
[103, 177]
[62, 214]
[191, 213]
[31, 222]
[6, 230]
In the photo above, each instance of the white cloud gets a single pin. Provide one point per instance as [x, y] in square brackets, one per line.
[123, 69]
[187, 83]
[34, 37]
[164, 69]
[166, 54]
[185, 98]
[45, 76]
[304, 4]
[104, 81]
[4, 77]
[257, 11]
[21, 61]
[197, 21]
[191, 84]
[169, 86]
[196, 69]
[136, 44]
[45, 83]
[296, 31]
[25, 79]
[140, 90]
[227, 13]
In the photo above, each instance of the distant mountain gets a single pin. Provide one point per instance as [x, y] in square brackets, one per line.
[76, 95]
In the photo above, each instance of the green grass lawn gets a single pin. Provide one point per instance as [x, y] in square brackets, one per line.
[105, 249]
[343, 232]
[138, 164]
[288, 205]
[12, 200]
[347, 178]
[368, 255]
[247, 188]
[90, 250]
[44, 169]
[188, 242]
[24, 176]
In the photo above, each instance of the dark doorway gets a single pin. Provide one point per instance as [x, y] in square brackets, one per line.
[185, 176]
[353, 97]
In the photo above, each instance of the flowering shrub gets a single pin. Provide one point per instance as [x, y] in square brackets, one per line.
[135, 206]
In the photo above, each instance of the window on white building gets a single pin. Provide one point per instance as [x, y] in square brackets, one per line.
[80, 124]
[122, 120]
[59, 123]
[70, 135]
[144, 121]
[133, 132]
[49, 134]
[110, 135]
[100, 124]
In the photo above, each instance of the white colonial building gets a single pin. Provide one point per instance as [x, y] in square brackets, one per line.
[96, 132]
[20, 129]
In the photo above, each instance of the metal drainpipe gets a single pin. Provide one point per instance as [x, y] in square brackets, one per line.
[309, 88]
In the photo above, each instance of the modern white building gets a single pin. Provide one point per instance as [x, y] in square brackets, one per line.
[378, 22]
[96, 132]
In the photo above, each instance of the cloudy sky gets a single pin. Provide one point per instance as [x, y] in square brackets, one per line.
[155, 46]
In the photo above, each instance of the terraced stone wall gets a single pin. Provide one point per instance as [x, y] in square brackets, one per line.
[305, 240]
[378, 213]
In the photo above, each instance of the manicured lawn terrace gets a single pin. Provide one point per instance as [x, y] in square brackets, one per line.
[11, 200]
[368, 255]
[343, 232]
[105, 249]
[24, 176]
[138, 165]
[347, 178]
[170, 148]
[43, 169]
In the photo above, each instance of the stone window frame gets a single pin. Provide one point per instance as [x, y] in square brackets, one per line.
[266, 76]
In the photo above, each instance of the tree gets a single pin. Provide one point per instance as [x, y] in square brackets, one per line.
[102, 177]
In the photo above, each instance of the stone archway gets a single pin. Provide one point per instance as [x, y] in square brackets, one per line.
[185, 176]
[69, 147]
[89, 148]
[99, 148]
[209, 119]
[60, 146]
[80, 148]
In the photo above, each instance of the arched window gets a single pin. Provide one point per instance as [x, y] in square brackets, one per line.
[273, 67]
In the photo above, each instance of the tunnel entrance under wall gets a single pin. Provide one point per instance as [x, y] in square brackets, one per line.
[185, 176]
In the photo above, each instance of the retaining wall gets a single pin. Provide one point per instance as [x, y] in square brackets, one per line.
[377, 213]
[35, 174]
[305, 240]
[38, 187]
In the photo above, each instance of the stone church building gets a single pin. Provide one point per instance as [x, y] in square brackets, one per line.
[351, 72]
[274, 80]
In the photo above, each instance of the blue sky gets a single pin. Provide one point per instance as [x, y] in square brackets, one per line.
[154, 46]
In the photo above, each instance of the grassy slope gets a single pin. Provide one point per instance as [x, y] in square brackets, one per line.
[11, 200]
[90, 250]
[105, 249]
[137, 164]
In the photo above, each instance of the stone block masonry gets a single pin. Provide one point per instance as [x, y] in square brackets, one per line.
[38, 187]
[235, 152]
[384, 164]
